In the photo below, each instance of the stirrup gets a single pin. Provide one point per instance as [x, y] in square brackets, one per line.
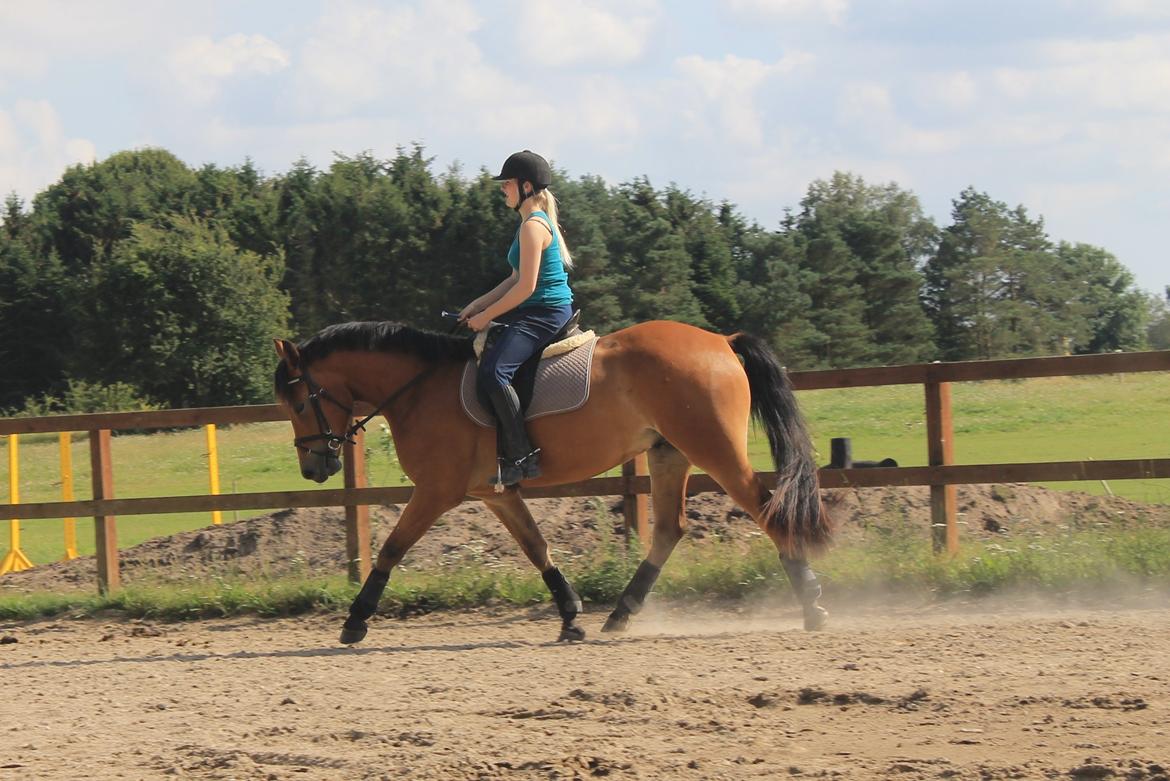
[509, 472]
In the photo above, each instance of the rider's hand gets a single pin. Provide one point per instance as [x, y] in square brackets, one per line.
[479, 322]
[467, 311]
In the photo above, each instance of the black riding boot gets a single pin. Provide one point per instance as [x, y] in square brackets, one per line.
[518, 459]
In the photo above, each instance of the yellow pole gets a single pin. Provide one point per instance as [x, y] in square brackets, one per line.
[67, 493]
[14, 560]
[213, 470]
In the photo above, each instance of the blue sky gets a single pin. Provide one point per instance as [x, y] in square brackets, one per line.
[1060, 105]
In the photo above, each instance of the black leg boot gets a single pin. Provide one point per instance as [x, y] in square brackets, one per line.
[518, 460]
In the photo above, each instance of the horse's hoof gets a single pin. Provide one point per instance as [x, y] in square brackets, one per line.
[815, 618]
[617, 622]
[353, 631]
[572, 633]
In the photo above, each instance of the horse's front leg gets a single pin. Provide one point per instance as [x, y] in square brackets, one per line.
[421, 512]
[509, 507]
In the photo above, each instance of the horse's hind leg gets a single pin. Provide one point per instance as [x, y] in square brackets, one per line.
[668, 484]
[729, 466]
[509, 507]
[750, 493]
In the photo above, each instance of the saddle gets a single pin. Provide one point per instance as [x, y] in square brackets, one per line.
[554, 380]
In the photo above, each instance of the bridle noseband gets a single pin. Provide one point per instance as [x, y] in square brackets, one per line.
[335, 441]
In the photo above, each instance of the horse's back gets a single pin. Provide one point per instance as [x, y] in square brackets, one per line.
[662, 362]
[665, 338]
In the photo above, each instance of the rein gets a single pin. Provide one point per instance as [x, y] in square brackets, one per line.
[335, 441]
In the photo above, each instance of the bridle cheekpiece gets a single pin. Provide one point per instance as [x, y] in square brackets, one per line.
[336, 441]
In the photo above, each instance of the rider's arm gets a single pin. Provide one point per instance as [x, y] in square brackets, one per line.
[489, 298]
[533, 236]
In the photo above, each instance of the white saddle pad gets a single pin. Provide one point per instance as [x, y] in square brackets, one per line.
[562, 385]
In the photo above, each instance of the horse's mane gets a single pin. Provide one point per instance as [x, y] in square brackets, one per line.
[383, 336]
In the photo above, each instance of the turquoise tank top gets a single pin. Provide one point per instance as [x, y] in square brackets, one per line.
[552, 281]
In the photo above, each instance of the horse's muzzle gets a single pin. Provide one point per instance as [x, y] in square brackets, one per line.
[319, 467]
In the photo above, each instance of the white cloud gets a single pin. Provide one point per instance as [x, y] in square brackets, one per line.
[908, 140]
[402, 57]
[870, 106]
[34, 148]
[954, 90]
[1073, 197]
[727, 88]
[1148, 9]
[865, 101]
[36, 36]
[1130, 74]
[1141, 144]
[576, 31]
[604, 111]
[833, 10]
[200, 65]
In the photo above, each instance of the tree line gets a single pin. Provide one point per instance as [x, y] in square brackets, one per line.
[140, 280]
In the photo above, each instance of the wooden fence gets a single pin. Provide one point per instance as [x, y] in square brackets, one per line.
[940, 473]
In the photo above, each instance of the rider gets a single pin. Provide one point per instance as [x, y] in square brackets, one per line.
[534, 302]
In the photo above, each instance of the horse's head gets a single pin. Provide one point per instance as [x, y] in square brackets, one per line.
[320, 408]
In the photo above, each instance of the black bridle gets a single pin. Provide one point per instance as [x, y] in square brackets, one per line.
[335, 441]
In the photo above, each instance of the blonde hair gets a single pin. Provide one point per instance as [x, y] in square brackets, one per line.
[547, 203]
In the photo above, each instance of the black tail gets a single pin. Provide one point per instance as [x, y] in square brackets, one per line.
[795, 508]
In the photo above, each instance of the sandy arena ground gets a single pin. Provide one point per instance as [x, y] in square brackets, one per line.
[962, 692]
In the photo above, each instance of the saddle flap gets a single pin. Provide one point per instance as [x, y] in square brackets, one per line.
[561, 385]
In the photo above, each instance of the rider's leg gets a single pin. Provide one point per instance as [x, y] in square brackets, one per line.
[527, 331]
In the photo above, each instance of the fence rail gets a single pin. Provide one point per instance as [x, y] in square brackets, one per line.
[940, 473]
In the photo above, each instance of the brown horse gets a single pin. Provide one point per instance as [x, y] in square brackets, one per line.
[682, 395]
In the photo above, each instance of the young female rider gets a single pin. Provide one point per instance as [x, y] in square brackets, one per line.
[535, 302]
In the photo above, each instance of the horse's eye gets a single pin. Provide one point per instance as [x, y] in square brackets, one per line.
[299, 408]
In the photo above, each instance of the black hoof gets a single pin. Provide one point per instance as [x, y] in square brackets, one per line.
[353, 630]
[815, 618]
[571, 633]
[617, 622]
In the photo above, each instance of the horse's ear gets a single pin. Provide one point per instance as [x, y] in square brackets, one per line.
[288, 352]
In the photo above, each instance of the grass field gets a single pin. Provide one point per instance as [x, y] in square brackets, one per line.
[1095, 567]
[1052, 419]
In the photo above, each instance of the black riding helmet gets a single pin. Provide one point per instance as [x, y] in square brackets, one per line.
[526, 166]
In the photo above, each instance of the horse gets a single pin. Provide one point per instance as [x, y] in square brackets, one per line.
[680, 394]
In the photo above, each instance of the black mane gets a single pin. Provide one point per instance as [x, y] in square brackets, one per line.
[383, 336]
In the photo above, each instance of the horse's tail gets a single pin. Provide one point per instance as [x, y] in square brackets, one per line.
[795, 510]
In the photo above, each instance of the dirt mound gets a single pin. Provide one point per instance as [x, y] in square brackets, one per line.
[311, 541]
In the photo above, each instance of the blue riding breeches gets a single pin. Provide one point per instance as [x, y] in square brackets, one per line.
[529, 329]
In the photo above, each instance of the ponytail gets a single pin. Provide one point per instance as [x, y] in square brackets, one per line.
[546, 202]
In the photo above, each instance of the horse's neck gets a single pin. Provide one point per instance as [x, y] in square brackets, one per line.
[373, 376]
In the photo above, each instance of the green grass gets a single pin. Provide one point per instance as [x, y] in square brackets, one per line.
[1076, 562]
[1057, 419]
[1046, 419]
[252, 458]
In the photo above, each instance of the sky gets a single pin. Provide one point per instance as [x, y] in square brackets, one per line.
[1062, 106]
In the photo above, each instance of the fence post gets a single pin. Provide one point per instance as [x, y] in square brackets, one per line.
[841, 450]
[634, 505]
[940, 446]
[66, 444]
[105, 527]
[14, 560]
[357, 516]
[213, 470]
